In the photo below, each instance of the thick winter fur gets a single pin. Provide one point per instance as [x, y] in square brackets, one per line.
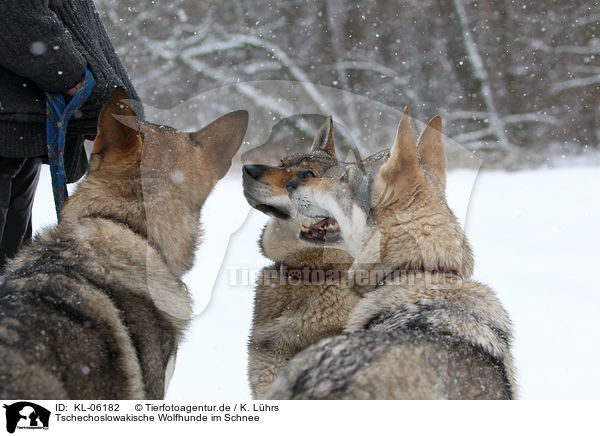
[424, 331]
[95, 308]
[291, 314]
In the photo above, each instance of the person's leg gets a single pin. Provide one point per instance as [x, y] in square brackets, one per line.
[17, 228]
[8, 168]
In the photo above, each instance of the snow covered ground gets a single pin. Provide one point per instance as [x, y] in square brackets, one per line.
[536, 240]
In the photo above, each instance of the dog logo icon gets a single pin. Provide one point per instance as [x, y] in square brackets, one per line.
[26, 415]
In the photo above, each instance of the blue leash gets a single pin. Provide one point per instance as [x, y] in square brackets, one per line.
[58, 114]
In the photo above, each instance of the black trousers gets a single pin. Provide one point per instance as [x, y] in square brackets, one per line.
[18, 182]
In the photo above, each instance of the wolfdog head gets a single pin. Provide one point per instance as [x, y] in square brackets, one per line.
[265, 190]
[391, 208]
[154, 179]
[336, 210]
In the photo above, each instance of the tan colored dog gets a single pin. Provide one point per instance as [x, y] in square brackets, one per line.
[301, 297]
[95, 308]
[423, 330]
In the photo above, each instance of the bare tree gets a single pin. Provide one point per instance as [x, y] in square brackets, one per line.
[506, 77]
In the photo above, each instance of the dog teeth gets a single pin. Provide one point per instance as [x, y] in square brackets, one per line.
[333, 226]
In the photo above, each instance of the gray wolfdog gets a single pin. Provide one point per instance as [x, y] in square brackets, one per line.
[300, 298]
[422, 329]
[95, 307]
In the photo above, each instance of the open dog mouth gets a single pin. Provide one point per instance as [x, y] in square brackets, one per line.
[325, 230]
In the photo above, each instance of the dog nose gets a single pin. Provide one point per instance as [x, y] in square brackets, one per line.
[254, 171]
[292, 185]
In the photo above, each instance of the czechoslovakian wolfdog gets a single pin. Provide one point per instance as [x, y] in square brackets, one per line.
[300, 297]
[95, 307]
[421, 328]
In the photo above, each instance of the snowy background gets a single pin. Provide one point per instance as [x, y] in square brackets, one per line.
[516, 80]
[536, 240]
[517, 83]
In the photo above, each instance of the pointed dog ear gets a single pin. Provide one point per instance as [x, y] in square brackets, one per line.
[117, 127]
[324, 138]
[431, 149]
[404, 160]
[402, 170]
[221, 139]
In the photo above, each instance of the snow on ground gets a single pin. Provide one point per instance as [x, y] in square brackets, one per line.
[536, 240]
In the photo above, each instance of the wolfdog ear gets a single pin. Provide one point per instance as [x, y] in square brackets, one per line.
[404, 160]
[117, 126]
[431, 149]
[397, 177]
[221, 139]
[324, 138]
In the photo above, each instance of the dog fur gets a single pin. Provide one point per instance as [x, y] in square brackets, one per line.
[290, 315]
[95, 307]
[423, 329]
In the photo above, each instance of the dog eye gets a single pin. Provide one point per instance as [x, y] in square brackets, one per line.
[306, 174]
[344, 178]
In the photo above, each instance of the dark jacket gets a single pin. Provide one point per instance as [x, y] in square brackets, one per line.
[46, 46]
